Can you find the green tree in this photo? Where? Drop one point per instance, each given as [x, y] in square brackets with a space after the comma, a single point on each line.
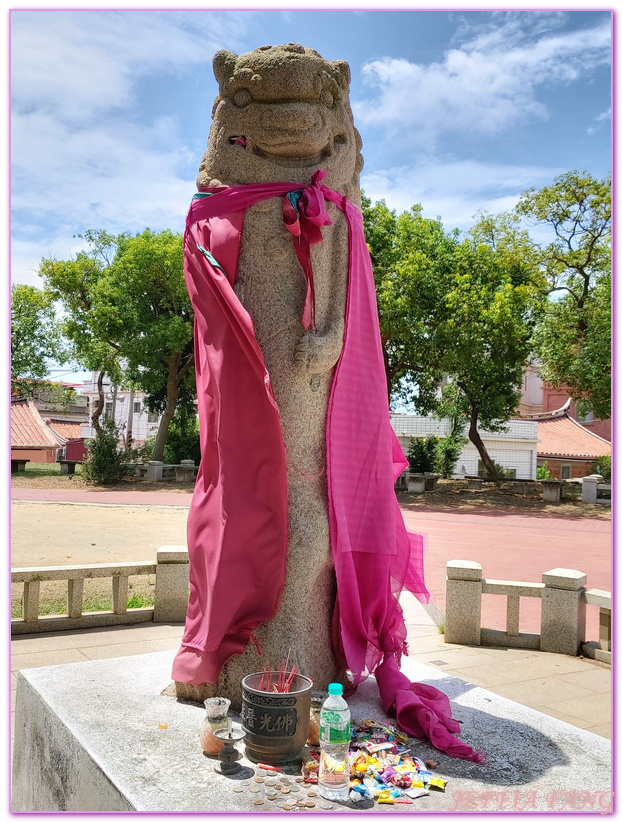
[573, 337]
[412, 260]
[459, 310]
[74, 284]
[35, 338]
[130, 312]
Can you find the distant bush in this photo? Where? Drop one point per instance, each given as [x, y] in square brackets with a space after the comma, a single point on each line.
[543, 473]
[105, 462]
[422, 454]
[602, 466]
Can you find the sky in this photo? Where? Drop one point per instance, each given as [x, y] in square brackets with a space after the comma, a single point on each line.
[459, 110]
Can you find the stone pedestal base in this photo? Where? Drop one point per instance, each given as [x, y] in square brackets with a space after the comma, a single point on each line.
[101, 736]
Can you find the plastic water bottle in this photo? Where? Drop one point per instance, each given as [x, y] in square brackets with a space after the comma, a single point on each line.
[333, 772]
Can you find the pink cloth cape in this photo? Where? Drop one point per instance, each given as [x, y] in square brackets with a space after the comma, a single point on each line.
[237, 525]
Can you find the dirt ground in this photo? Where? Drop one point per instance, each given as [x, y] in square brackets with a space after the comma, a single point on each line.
[51, 534]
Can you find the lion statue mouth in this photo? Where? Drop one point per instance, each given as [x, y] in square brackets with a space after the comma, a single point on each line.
[288, 153]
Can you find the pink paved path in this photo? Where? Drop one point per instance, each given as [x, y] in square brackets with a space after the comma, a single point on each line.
[508, 546]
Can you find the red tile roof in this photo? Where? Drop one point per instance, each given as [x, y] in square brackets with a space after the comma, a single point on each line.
[28, 428]
[66, 429]
[564, 437]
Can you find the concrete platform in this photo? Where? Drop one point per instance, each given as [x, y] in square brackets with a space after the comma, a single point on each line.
[88, 738]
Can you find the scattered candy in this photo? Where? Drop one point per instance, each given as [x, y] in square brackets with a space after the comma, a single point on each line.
[437, 783]
[431, 764]
[162, 725]
[267, 767]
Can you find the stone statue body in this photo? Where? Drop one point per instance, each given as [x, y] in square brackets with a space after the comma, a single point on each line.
[281, 114]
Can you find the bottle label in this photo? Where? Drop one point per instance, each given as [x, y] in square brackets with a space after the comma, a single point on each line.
[334, 733]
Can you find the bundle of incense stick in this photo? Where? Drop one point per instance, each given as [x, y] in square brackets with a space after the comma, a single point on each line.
[285, 678]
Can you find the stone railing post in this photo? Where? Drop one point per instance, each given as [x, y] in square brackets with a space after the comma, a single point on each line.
[563, 611]
[589, 489]
[463, 597]
[154, 470]
[171, 584]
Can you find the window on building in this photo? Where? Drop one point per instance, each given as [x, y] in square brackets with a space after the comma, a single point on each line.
[137, 407]
[108, 410]
[565, 472]
[589, 417]
[152, 418]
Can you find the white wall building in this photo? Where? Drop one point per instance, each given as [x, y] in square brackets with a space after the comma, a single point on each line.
[119, 405]
[515, 447]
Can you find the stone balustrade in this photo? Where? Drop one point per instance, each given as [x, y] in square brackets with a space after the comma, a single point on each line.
[156, 470]
[171, 595]
[563, 611]
[594, 490]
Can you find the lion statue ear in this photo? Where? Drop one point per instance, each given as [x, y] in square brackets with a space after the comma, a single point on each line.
[343, 70]
[223, 64]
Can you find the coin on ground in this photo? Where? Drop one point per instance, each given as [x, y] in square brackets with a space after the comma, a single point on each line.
[287, 806]
[254, 789]
[260, 779]
[312, 794]
[326, 806]
[238, 788]
[259, 802]
[295, 788]
[285, 790]
[299, 779]
[310, 804]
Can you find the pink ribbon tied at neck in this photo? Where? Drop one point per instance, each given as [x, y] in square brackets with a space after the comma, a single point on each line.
[304, 212]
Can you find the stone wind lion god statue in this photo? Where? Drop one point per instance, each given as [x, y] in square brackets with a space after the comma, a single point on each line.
[282, 113]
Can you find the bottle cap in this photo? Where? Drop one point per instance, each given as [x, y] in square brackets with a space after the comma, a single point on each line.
[335, 688]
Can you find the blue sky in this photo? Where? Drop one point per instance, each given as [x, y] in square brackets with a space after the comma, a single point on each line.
[458, 110]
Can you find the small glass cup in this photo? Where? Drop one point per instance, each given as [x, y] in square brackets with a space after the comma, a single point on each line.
[215, 718]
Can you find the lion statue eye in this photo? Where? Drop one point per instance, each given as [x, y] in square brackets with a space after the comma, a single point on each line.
[242, 98]
[327, 98]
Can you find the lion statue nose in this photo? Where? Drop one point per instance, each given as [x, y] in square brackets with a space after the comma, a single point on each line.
[295, 118]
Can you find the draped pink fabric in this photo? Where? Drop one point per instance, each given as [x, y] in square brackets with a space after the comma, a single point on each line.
[237, 526]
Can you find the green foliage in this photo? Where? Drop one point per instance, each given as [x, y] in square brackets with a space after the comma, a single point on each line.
[140, 601]
[543, 473]
[459, 309]
[183, 438]
[573, 337]
[503, 472]
[105, 462]
[422, 454]
[603, 467]
[126, 303]
[449, 448]
[35, 337]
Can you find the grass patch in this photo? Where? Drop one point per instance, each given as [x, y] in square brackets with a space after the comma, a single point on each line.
[97, 596]
[41, 470]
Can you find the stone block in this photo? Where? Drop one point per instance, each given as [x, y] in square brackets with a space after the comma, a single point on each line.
[568, 579]
[463, 570]
[589, 489]
[154, 470]
[563, 619]
[463, 602]
[171, 600]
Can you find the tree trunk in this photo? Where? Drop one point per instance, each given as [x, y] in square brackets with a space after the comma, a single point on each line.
[482, 450]
[173, 382]
[99, 408]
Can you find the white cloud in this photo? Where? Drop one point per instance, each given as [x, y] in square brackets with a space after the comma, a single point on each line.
[485, 86]
[455, 191]
[81, 63]
[600, 118]
[117, 178]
